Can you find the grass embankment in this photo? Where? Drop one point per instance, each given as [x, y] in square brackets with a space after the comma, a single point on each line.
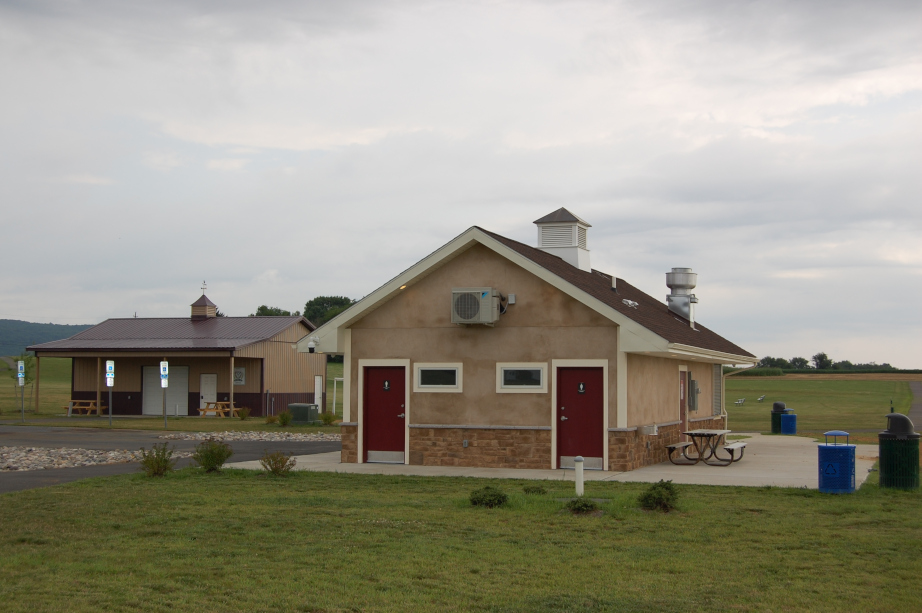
[55, 393]
[239, 541]
[821, 405]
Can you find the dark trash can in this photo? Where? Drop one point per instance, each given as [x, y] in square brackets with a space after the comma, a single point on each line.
[836, 464]
[778, 409]
[788, 423]
[899, 453]
[303, 413]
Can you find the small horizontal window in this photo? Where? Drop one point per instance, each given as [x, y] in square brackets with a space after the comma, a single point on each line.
[522, 378]
[437, 378]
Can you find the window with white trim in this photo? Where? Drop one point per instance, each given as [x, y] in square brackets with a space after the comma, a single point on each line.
[521, 378]
[437, 377]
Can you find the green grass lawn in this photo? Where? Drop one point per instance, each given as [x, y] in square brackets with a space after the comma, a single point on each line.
[820, 405]
[335, 370]
[239, 541]
[55, 389]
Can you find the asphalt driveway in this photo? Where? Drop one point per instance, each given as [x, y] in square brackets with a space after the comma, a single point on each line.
[94, 438]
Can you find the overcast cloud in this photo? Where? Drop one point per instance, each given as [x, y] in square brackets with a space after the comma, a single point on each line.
[282, 151]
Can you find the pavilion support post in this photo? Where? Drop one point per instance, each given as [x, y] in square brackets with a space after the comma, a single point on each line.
[231, 398]
[98, 389]
[38, 372]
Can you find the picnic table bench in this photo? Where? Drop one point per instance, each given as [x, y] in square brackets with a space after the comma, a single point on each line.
[81, 406]
[220, 409]
[740, 402]
[762, 397]
[705, 443]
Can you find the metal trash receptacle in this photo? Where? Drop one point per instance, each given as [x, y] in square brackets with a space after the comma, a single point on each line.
[899, 453]
[303, 413]
[778, 409]
[836, 464]
[788, 423]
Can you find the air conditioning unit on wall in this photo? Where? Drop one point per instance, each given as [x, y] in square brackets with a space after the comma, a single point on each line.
[474, 305]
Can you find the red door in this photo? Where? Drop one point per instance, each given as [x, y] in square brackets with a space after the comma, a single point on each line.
[580, 415]
[384, 413]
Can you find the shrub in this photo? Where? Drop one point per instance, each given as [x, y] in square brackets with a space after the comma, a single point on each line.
[582, 505]
[285, 418]
[278, 463]
[243, 413]
[327, 418]
[488, 497]
[661, 496]
[271, 419]
[211, 454]
[534, 489]
[158, 461]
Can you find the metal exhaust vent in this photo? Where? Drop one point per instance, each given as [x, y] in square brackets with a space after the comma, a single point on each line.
[474, 305]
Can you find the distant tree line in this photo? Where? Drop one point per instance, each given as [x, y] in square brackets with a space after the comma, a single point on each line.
[318, 310]
[820, 361]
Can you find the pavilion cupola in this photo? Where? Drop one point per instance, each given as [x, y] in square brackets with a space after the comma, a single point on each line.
[203, 308]
[564, 234]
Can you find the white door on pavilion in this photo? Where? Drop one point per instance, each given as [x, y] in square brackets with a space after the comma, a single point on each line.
[208, 389]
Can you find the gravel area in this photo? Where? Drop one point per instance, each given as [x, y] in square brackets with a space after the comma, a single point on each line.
[252, 436]
[40, 458]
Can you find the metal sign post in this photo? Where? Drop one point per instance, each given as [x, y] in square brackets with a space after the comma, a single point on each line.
[21, 375]
[164, 383]
[110, 383]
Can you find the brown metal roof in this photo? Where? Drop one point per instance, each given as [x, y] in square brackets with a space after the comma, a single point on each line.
[175, 334]
[561, 215]
[649, 312]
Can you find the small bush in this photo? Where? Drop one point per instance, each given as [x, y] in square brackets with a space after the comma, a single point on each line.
[327, 418]
[661, 496]
[243, 413]
[582, 505]
[488, 497]
[211, 454]
[285, 418]
[158, 461]
[278, 463]
[271, 419]
[534, 489]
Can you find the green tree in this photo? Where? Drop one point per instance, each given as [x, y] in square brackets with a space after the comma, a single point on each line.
[324, 308]
[821, 361]
[268, 311]
[770, 362]
[800, 363]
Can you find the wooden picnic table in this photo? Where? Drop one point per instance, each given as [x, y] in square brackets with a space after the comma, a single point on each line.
[220, 409]
[81, 406]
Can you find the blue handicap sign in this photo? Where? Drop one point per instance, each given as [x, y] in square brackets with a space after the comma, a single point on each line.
[164, 376]
[831, 468]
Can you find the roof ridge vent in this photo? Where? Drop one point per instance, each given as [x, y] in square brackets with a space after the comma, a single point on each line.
[680, 300]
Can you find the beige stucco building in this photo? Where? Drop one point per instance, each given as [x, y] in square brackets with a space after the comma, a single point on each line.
[490, 352]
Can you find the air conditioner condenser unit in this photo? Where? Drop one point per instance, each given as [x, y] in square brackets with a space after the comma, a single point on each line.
[474, 305]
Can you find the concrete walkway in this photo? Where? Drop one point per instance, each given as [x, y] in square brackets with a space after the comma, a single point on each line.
[783, 461]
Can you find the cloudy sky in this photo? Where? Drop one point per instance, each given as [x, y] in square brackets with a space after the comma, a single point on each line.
[281, 151]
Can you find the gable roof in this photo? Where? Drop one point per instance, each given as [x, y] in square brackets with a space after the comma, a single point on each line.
[174, 334]
[647, 328]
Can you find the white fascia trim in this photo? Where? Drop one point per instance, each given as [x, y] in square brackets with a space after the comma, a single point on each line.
[331, 333]
[717, 357]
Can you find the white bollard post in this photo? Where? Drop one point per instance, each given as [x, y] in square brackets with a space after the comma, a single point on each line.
[578, 465]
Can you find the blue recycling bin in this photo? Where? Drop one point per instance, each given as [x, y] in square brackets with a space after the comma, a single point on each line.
[788, 423]
[836, 464]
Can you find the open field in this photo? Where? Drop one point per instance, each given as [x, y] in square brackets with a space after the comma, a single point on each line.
[239, 541]
[55, 389]
[821, 405]
[335, 370]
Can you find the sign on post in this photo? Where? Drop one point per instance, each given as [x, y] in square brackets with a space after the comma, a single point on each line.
[164, 374]
[21, 372]
[110, 373]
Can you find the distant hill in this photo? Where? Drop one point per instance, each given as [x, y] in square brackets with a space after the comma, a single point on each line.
[16, 335]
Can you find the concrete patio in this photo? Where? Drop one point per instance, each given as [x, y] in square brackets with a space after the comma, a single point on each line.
[782, 461]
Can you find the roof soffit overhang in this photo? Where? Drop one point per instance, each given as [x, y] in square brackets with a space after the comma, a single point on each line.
[634, 336]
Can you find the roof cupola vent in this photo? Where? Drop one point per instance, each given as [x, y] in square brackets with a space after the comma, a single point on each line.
[681, 301]
[565, 235]
[203, 308]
